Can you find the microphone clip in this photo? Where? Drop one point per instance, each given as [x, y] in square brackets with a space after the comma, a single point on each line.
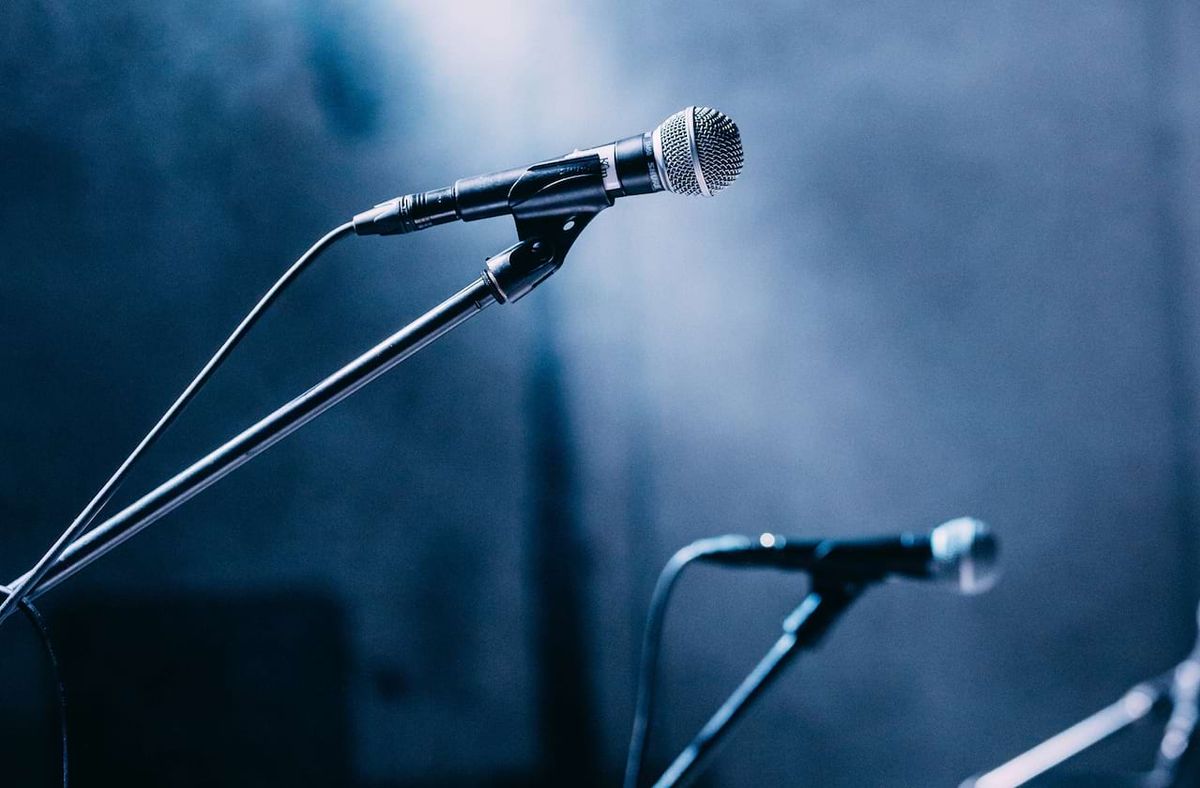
[551, 204]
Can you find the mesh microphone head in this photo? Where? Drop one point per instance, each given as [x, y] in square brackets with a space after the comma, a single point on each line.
[964, 553]
[698, 150]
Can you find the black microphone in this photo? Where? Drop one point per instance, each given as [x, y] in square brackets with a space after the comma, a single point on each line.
[696, 151]
[961, 551]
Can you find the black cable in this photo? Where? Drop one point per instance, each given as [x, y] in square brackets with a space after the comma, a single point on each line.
[39, 623]
[652, 640]
[30, 580]
[43, 631]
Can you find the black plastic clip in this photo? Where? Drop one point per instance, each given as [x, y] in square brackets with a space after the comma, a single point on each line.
[551, 205]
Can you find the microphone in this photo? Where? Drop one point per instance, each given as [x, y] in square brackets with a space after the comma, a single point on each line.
[696, 151]
[961, 552]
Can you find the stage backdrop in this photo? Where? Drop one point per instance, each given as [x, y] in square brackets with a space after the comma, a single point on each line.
[957, 276]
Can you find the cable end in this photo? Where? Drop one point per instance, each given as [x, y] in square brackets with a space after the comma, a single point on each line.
[384, 219]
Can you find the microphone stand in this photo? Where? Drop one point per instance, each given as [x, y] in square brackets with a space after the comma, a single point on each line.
[550, 211]
[1134, 705]
[1177, 689]
[802, 629]
[1177, 759]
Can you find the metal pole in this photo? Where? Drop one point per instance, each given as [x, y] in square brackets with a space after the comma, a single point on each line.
[802, 628]
[1134, 705]
[125, 524]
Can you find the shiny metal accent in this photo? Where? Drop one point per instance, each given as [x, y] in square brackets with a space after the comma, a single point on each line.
[654, 167]
[608, 158]
[656, 144]
[678, 154]
[965, 551]
[690, 119]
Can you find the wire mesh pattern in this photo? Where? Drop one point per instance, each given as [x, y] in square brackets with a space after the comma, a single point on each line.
[718, 144]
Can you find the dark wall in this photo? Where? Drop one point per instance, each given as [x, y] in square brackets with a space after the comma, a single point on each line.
[958, 276]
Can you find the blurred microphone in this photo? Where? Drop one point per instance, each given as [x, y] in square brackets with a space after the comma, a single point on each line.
[696, 151]
[961, 551]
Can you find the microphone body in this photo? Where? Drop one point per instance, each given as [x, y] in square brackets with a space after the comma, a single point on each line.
[961, 551]
[695, 151]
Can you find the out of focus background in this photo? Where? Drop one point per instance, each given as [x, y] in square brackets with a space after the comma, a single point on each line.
[959, 275]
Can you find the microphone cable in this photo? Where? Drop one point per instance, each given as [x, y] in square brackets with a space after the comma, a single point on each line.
[29, 582]
[652, 642]
[43, 631]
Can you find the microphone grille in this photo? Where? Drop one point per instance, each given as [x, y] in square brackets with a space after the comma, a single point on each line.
[698, 151]
[965, 552]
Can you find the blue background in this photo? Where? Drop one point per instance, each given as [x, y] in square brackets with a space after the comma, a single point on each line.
[957, 276]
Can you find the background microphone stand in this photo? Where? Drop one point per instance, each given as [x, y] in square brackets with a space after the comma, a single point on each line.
[551, 206]
[1134, 705]
[1176, 764]
[802, 629]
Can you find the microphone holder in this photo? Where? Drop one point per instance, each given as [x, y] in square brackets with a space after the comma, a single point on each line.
[550, 209]
[802, 629]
